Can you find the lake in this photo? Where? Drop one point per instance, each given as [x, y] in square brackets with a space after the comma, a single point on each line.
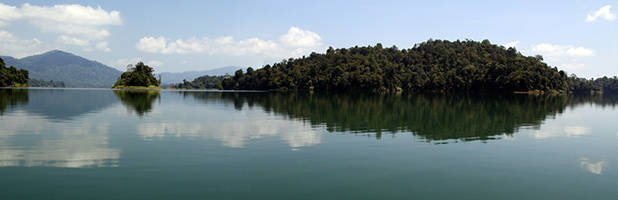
[111, 144]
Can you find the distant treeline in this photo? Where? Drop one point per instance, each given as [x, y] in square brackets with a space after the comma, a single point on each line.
[435, 65]
[605, 84]
[202, 82]
[44, 83]
[12, 77]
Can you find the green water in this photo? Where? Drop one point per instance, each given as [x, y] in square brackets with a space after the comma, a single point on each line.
[105, 144]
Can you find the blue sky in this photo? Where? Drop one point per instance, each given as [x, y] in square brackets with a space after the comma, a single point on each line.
[577, 36]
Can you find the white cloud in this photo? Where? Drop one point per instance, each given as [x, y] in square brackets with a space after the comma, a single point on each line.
[73, 41]
[84, 21]
[153, 45]
[579, 51]
[297, 37]
[103, 46]
[123, 62]
[154, 63]
[17, 47]
[295, 42]
[552, 50]
[511, 44]
[8, 13]
[76, 24]
[603, 13]
[575, 66]
[567, 57]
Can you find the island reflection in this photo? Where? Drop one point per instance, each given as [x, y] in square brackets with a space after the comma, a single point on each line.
[10, 98]
[139, 101]
[431, 117]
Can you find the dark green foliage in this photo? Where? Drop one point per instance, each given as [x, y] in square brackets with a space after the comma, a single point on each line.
[11, 76]
[203, 82]
[140, 75]
[138, 101]
[604, 84]
[171, 78]
[72, 70]
[435, 65]
[43, 83]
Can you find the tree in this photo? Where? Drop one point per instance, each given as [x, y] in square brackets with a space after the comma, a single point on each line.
[139, 75]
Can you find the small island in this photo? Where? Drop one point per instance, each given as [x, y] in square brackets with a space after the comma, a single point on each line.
[139, 76]
[12, 77]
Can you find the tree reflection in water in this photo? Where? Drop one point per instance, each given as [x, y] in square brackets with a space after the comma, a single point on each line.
[138, 100]
[432, 117]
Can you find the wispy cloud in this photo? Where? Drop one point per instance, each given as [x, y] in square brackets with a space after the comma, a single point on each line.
[76, 24]
[603, 13]
[14, 46]
[295, 42]
[547, 49]
[512, 44]
[123, 62]
[592, 167]
[567, 57]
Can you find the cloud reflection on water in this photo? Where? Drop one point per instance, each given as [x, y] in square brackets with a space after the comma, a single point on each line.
[235, 133]
[591, 166]
[49, 144]
[558, 131]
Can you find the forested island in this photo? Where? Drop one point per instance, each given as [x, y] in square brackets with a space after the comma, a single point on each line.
[12, 77]
[432, 66]
[139, 76]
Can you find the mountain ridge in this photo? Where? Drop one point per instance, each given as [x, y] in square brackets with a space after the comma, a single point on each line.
[76, 71]
[73, 70]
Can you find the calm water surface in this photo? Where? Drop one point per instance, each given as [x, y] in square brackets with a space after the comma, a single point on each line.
[105, 144]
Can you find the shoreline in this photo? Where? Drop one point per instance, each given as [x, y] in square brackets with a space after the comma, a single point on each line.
[137, 88]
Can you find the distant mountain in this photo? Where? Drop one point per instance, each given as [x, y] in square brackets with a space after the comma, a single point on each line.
[71, 69]
[169, 77]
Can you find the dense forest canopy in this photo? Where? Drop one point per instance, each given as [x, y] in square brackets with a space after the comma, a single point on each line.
[603, 84]
[138, 75]
[202, 82]
[11, 76]
[435, 65]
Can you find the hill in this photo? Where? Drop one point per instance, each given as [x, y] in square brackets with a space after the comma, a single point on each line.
[72, 70]
[435, 65]
[172, 78]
